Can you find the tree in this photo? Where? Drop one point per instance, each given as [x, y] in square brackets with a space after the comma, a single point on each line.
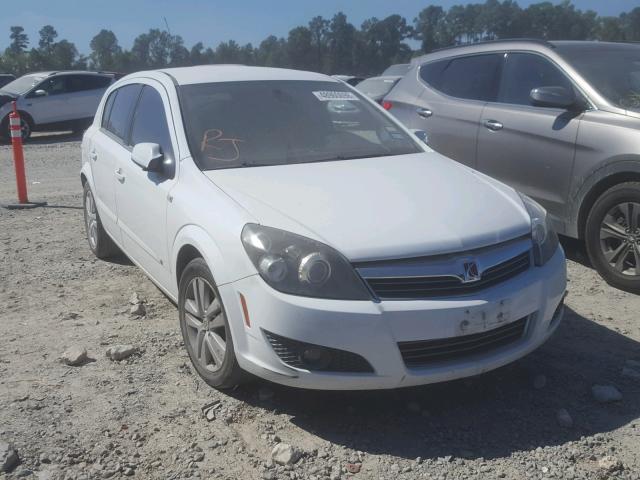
[341, 40]
[429, 28]
[299, 49]
[19, 40]
[272, 52]
[48, 37]
[319, 29]
[105, 51]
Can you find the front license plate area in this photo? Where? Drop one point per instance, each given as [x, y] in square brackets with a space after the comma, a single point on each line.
[477, 320]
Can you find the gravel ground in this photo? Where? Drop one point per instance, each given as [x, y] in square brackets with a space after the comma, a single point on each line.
[150, 416]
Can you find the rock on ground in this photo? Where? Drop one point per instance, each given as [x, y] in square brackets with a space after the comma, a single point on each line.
[285, 454]
[606, 393]
[9, 458]
[564, 418]
[120, 352]
[75, 356]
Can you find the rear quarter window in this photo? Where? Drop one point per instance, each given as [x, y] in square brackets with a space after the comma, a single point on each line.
[475, 77]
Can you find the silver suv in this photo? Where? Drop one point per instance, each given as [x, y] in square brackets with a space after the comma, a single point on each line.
[53, 100]
[558, 121]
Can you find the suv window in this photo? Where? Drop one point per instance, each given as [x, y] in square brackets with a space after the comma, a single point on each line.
[150, 122]
[473, 78]
[79, 83]
[525, 71]
[120, 114]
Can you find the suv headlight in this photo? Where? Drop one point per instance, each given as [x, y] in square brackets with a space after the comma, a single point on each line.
[545, 239]
[298, 265]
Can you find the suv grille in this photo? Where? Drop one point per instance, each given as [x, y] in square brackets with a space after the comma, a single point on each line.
[447, 285]
[424, 352]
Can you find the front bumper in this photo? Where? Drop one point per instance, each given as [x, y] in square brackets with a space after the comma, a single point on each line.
[373, 330]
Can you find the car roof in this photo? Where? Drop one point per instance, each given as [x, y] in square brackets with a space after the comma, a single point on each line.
[74, 72]
[384, 77]
[239, 73]
[510, 44]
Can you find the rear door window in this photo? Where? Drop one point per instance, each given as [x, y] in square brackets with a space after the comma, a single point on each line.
[474, 77]
[120, 115]
[525, 71]
[79, 83]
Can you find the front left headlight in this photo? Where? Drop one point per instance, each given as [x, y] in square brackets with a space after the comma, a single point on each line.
[298, 265]
[545, 238]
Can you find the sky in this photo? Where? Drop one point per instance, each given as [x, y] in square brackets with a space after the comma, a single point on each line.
[214, 21]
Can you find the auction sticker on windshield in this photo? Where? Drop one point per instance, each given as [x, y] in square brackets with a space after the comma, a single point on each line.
[327, 96]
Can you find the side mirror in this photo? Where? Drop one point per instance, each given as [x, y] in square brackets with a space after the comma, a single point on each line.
[422, 135]
[148, 156]
[556, 97]
[40, 93]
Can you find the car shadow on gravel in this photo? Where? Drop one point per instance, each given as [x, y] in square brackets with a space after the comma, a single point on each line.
[48, 138]
[576, 250]
[489, 416]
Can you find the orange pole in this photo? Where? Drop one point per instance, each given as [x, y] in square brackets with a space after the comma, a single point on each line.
[18, 154]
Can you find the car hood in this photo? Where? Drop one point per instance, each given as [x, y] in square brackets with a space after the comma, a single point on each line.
[381, 208]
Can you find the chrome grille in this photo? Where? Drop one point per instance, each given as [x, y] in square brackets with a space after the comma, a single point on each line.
[429, 286]
[425, 352]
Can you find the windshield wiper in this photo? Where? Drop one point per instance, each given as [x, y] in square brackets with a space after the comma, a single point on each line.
[352, 157]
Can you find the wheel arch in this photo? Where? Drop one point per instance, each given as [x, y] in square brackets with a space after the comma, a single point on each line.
[599, 181]
[192, 242]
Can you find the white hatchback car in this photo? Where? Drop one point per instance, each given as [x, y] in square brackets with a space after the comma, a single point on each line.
[310, 239]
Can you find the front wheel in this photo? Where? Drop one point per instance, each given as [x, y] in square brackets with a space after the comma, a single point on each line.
[613, 236]
[205, 327]
[25, 129]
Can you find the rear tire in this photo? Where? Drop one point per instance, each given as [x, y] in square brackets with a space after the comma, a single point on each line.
[205, 328]
[612, 236]
[99, 240]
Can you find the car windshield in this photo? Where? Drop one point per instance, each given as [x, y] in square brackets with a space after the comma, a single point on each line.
[264, 123]
[22, 84]
[613, 70]
[377, 87]
[397, 69]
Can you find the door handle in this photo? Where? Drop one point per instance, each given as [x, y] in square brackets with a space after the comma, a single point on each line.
[493, 125]
[93, 155]
[119, 175]
[424, 112]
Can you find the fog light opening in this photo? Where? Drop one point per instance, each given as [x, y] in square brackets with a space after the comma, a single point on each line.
[315, 358]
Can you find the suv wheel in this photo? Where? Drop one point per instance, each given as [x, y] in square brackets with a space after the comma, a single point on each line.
[25, 128]
[613, 236]
[100, 242]
[205, 327]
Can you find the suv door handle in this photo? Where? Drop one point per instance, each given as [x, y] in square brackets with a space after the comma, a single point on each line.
[93, 155]
[493, 125]
[119, 175]
[424, 112]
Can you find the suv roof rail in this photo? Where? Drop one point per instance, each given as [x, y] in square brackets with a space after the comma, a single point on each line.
[539, 41]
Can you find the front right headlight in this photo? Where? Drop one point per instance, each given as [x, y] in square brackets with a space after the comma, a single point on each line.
[298, 265]
[545, 238]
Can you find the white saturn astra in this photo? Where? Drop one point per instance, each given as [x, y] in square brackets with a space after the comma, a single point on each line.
[310, 239]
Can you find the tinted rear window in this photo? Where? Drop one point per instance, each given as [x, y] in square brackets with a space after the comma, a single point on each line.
[474, 77]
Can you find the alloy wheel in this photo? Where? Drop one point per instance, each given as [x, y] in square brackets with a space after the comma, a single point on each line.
[620, 238]
[25, 129]
[205, 324]
[91, 218]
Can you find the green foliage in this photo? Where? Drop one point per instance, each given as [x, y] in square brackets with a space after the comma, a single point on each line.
[329, 45]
